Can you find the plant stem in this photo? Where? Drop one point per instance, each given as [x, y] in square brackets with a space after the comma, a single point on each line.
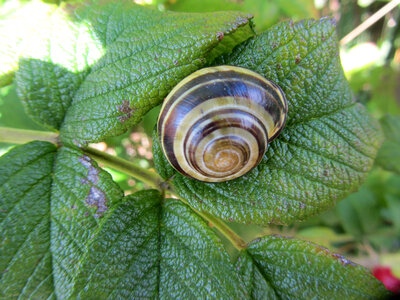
[21, 136]
[235, 239]
[148, 177]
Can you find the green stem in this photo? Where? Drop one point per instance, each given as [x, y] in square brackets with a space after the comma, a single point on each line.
[232, 236]
[155, 181]
[114, 162]
[21, 136]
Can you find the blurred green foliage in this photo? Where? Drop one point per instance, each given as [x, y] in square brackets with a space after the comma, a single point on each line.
[266, 13]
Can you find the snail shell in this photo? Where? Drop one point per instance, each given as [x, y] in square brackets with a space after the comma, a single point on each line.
[215, 125]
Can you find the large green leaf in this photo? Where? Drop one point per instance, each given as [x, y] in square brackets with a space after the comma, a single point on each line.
[25, 192]
[95, 70]
[42, 195]
[326, 149]
[67, 232]
[301, 270]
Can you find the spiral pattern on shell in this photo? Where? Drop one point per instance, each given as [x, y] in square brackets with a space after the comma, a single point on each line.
[215, 125]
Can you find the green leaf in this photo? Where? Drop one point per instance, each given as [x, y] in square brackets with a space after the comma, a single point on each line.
[150, 251]
[91, 69]
[42, 194]
[359, 213]
[25, 191]
[148, 49]
[83, 197]
[389, 154]
[82, 239]
[66, 228]
[324, 152]
[125, 252]
[51, 54]
[301, 270]
[257, 286]
[46, 90]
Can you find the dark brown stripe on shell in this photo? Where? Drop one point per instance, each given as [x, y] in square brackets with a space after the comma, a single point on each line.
[227, 76]
[199, 96]
[237, 121]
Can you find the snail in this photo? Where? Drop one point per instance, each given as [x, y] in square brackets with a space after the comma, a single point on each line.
[215, 125]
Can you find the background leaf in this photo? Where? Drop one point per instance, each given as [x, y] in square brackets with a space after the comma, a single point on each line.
[324, 152]
[389, 154]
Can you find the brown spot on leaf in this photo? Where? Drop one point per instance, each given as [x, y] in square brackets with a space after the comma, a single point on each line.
[93, 172]
[97, 198]
[344, 261]
[126, 110]
[93, 175]
[85, 161]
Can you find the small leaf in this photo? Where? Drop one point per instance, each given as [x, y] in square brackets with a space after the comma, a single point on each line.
[324, 152]
[389, 154]
[46, 90]
[301, 270]
[25, 191]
